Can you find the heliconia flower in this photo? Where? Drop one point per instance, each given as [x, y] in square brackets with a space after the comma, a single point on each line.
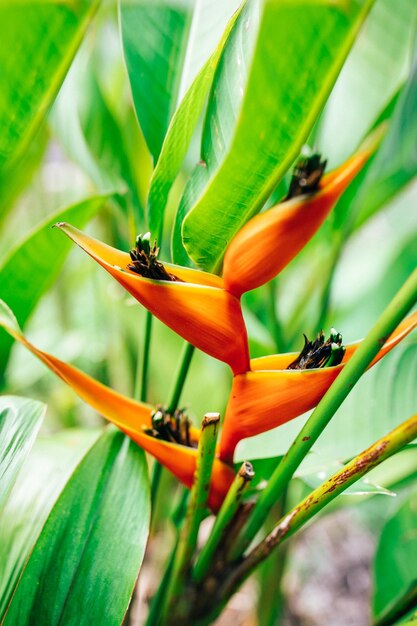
[130, 416]
[195, 305]
[270, 394]
[270, 240]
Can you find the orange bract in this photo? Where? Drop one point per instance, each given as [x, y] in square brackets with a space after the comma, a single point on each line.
[269, 395]
[202, 312]
[269, 241]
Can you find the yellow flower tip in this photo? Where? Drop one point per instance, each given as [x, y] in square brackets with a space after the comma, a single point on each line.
[269, 241]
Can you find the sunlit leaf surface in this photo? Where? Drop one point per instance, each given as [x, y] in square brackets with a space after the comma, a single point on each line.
[97, 533]
[20, 420]
[38, 43]
[255, 126]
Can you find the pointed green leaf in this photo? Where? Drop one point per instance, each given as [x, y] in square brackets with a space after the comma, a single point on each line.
[394, 566]
[20, 420]
[84, 565]
[32, 266]
[50, 463]
[270, 113]
[38, 43]
[178, 137]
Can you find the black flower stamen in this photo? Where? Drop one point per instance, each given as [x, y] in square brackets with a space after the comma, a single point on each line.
[145, 260]
[306, 176]
[174, 428]
[320, 353]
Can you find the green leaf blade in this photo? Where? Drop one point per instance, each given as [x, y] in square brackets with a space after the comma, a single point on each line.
[44, 37]
[279, 107]
[83, 567]
[30, 269]
[20, 420]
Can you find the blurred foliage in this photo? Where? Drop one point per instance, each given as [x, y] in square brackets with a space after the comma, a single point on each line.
[71, 148]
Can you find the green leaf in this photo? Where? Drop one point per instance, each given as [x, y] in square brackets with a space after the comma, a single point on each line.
[84, 565]
[154, 36]
[252, 135]
[50, 463]
[20, 420]
[44, 37]
[178, 139]
[375, 69]
[394, 567]
[32, 266]
[165, 45]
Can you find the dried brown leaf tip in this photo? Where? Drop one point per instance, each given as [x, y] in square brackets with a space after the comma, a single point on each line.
[174, 428]
[306, 176]
[145, 260]
[320, 352]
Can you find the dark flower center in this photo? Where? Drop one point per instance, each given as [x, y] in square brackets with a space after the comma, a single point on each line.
[320, 353]
[306, 176]
[174, 428]
[145, 260]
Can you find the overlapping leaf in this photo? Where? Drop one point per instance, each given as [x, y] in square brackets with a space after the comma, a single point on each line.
[20, 420]
[39, 40]
[92, 544]
[30, 269]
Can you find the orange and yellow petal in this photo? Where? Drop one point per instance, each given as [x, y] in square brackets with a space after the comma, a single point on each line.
[203, 314]
[132, 417]
[269, 396]
[181, 462]
[268, 242]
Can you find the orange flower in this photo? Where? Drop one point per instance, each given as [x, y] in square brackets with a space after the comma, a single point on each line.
[270, 395]
[132, 417]
[197, 307]
[269, 241]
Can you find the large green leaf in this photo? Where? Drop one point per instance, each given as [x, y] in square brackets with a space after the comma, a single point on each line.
[165, 45]
[30, 269]
[83, 567]
[50, 463]
[299, 49]
[178, 138]
[395, 560]
[20, 420]
[375, 69]
[38, 42]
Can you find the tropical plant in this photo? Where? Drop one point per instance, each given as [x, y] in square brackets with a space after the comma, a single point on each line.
[246, 171]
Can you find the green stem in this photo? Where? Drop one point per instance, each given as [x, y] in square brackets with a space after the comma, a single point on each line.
[195, 513]
[174, 397]
[331, 401]
[227, 511]
[319, 498]
[141, 386]
[274, 322]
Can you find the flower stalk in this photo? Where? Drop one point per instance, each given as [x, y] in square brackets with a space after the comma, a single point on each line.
[401, 304]
[378, 452]
[195, 512]
[223, 520]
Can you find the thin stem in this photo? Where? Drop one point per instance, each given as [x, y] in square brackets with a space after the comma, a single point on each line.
[196, 510]
[175, 395]
[331, 401]
[274, 322]
[319, 498]
[227, 511]
[141, 386]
